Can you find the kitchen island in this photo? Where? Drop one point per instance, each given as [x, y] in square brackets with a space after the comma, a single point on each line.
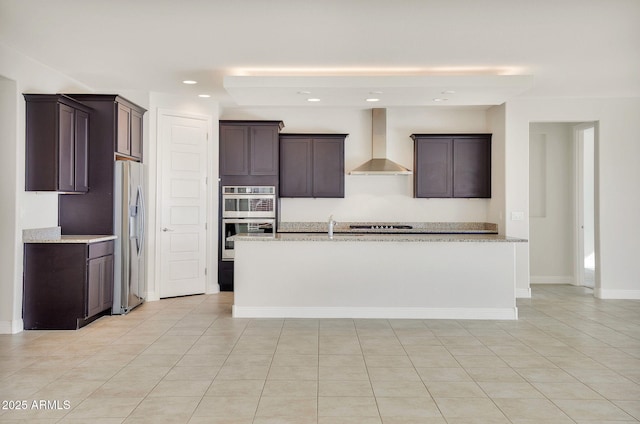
[412, 276]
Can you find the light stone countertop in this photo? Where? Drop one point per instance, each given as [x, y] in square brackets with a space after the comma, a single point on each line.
[417, 227]
[344, 237]
[53, 235]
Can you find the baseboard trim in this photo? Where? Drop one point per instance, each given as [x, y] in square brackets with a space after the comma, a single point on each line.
[152, 296]
[11, 327]
[383, 313]
[551, 279]
[617, 294]
[523, 293]
[213, 289]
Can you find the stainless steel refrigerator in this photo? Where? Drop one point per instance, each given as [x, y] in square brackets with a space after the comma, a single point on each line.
[129, 218]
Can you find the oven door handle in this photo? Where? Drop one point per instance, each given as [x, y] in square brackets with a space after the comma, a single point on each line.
[249, 196]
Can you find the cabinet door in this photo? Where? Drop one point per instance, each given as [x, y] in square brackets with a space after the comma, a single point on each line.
[328, 168]
[433, 167]
[94, 286]
[296, 178]
[107, 283]
[136, 134]
[234, 150]
[66, 149]
[472, 167]
[99, 285]
[123, 140]
[264, 150]
[81, 151]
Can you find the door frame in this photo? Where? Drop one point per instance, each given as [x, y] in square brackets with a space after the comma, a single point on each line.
[578, 131]
[211, 277]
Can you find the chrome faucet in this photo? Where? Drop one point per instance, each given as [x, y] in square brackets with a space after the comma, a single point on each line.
[332, 224]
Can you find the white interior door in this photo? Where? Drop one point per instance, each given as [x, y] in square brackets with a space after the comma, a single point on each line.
[183, 200]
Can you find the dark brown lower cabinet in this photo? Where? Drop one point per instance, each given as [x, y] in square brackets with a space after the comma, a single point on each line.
[66, 285]
[225, 275]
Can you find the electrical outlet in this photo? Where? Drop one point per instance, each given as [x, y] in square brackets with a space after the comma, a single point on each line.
[517, 216]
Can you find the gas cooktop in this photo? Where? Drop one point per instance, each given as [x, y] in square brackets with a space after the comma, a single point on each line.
[380, 227]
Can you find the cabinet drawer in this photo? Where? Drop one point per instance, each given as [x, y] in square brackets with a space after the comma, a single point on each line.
[104, 248]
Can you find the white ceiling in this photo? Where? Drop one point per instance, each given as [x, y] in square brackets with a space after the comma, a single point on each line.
[410, 48]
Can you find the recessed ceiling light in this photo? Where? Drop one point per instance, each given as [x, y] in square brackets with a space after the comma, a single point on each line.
[375, 92]
[313, 99]
[204, 96]
[448, 92]
[304, 92]
[189, 82]
[438, 99]
[372, 100]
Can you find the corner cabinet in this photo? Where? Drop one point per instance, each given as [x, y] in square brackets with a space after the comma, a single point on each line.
[452, 165]
[312, 165]
[249, 152]
[66, 285]
[57, 144]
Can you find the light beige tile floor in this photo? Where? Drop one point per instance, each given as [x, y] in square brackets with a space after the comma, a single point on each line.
[570, 358]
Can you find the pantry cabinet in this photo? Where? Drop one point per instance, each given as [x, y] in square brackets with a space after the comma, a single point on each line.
[452, 165]
[57, 144]
[312, 165]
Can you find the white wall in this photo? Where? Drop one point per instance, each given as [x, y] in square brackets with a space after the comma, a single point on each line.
[20, 210]
[496, 124]
[617, 177]
[551, 208]
[376, 197]
[8, 193]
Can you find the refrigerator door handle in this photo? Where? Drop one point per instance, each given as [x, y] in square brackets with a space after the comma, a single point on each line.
[140, 217]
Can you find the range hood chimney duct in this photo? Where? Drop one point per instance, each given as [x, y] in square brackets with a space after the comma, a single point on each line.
[379, 164]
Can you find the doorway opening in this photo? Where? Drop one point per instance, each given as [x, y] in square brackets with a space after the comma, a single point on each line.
[563, 205]
[585, 141]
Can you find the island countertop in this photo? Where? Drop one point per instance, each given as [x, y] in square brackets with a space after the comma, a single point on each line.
[358, 237]
[367, 227]
[355, 275]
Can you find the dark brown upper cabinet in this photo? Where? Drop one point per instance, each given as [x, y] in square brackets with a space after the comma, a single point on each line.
[127, 118]
[57, 144]
[93, 212]
[312, 165]
[452, 165]
[249, 152]
[129, 136]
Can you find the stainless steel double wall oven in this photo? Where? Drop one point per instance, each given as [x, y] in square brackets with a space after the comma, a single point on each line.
[246, 209]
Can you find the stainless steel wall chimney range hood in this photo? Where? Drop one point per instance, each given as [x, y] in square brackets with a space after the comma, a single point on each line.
[379, 164]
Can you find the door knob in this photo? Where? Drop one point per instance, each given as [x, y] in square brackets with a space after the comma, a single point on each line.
[165, 229]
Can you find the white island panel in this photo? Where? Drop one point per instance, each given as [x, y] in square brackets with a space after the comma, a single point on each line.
[360, 279]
